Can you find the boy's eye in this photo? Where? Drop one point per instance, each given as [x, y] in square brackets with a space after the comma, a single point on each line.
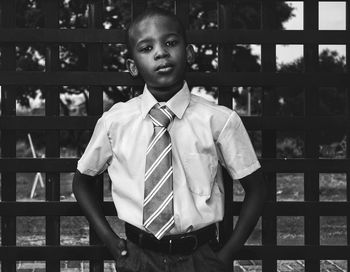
[146, 48]
[171, 43]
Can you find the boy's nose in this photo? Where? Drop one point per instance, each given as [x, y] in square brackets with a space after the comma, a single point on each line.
[161, 52]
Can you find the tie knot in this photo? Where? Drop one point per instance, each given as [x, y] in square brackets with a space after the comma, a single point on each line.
[161, 116]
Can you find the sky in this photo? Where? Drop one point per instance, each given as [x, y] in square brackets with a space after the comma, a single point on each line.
[332, 16]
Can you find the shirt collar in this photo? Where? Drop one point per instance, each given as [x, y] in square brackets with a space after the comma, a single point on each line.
[177, 104]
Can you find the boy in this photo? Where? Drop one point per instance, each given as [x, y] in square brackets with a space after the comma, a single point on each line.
[164, 151]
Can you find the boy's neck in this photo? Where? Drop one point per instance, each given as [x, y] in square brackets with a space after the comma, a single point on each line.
[163, 94]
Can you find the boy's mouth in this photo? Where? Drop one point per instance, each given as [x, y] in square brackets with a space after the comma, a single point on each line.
[164, 68]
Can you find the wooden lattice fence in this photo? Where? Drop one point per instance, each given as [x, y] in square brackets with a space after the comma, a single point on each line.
[269, 124]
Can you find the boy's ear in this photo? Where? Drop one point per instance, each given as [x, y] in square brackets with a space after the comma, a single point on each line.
[130, 64]
[190, 54]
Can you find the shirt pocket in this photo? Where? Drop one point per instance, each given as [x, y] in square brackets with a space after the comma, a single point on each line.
[200, 171]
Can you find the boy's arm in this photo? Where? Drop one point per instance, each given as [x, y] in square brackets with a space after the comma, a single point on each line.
[255, 193]
[83, 189]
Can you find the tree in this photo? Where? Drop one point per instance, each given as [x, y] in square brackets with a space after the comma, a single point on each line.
[73, 57]
[74, 14]
[332, 101]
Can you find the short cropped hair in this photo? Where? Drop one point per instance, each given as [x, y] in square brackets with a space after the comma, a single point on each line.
[152, 12]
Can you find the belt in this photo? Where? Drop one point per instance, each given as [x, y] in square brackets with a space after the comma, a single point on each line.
[184, 244]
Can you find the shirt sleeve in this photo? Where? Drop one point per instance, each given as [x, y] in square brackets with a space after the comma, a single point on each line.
[236, 150]
[98, 152]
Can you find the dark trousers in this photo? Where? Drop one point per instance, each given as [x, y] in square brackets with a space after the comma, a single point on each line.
[204, 259]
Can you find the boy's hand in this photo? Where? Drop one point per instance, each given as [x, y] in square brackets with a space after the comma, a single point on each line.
[128, 257]
[122, 252]
[118, 249]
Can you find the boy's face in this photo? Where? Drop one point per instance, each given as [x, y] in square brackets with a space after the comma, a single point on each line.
[159, 52]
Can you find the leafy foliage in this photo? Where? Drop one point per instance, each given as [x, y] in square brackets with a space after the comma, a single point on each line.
[203, 15]
[116, 15]
[331, 100]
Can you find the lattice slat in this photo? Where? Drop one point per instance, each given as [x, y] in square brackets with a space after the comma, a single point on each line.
[95, 80]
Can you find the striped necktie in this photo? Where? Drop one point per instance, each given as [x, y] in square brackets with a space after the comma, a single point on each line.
[158, 211]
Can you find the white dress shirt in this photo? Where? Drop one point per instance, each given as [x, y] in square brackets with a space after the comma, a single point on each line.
[204, 136]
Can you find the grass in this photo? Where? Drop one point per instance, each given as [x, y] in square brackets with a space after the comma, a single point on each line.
[290, 229]
[74, 230]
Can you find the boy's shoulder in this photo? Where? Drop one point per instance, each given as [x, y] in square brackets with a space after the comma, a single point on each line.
[198, 102]
[122, 110]
[217, 116]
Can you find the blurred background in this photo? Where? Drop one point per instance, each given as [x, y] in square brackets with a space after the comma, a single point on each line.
[247, 101]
